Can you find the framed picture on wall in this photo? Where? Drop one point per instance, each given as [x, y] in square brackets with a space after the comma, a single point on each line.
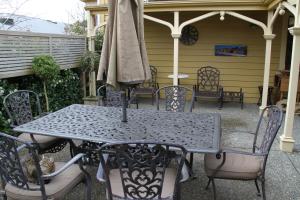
[230, 50]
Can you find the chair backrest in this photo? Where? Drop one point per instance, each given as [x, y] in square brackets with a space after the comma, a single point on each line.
[142, 167]
[208, 78]
[11, 169]
[153, 79]
[110, 96]
[273, 116]
[21, 106]
[175, 98]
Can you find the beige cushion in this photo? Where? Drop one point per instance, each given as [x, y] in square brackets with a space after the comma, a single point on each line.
[167, 190]
[58, 187]
[236, 166]
[43, 141]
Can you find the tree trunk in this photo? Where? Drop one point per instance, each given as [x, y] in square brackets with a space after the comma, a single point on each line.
[46, 96]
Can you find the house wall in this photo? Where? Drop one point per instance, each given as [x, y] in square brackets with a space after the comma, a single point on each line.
[236, 72]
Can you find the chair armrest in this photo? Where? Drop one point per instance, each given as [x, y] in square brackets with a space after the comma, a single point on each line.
[242, 152]
[23, 146]
[66, 166]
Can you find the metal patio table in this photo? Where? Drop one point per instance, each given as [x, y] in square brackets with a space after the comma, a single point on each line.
[197, 132]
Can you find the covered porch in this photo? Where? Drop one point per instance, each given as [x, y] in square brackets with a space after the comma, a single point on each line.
[262, 25]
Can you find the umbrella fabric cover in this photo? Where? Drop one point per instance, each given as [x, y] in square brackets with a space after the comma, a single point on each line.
[124, 57]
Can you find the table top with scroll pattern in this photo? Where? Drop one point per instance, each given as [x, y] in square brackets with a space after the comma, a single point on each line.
[197, 132]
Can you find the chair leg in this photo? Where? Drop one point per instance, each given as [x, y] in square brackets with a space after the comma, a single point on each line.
[221, 103]
[208, 183]
[257, 188]
[263, 187]
[88, 186]
[195, 100]
[178, 193]
[214, 188]
[153, 98]
[191, 160]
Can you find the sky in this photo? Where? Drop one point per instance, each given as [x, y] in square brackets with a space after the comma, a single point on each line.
[66, 11]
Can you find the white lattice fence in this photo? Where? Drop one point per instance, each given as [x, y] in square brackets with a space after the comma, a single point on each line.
[17, 50]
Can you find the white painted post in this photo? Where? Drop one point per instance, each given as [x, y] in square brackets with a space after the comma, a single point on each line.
[267, 67]
[176, 36]
[283, 42]
[91, 47]
[286, 140]
[268, 37]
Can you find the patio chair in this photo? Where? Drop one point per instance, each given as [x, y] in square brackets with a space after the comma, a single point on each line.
[108, 96]
[24, 106]
[51, 186]
[144, 171]
[175, 98]
[240, 165]
[208, 84]
[146, 88]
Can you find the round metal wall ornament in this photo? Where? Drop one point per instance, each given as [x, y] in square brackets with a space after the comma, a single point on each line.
[189, 35]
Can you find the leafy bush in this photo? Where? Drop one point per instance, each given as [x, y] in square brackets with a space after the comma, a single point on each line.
[89, 61]
[5, 89]
[63, 91]
[99, 40]
[45, 67]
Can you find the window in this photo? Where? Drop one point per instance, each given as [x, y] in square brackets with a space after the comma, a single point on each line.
[6, 21]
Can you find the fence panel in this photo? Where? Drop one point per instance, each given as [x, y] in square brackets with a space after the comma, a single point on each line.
[17, 49]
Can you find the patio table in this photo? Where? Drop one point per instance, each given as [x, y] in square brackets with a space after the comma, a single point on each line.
[197, 132]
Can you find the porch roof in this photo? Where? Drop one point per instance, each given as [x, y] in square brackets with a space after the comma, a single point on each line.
[193, 5]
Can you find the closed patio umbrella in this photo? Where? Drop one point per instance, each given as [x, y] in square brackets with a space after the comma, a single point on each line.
[124, 58]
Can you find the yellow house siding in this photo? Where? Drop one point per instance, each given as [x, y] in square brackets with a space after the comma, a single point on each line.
[236, 72]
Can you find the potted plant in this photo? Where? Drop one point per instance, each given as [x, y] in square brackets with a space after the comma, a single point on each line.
[45, 67]
[89, 62]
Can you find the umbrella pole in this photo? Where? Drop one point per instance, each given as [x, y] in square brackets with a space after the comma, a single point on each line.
[124, 107]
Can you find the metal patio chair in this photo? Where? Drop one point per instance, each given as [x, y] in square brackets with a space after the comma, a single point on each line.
[144, 171]
[175, 98]
[175, 101]
[24, 106]
[108, 96]
[208, 84]
[147, 88]
[52, 186]
[240, 165]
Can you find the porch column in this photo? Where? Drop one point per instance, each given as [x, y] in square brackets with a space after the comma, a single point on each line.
[91, 47]
[90, 30]
[286, 140]
[268, 38]
[176, 35]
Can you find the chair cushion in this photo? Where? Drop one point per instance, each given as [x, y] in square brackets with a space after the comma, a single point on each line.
[236, 166]
[167, 190]
[43, 141]
[58, 187]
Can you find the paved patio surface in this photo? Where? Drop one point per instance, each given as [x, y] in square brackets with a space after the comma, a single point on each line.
[283, 169]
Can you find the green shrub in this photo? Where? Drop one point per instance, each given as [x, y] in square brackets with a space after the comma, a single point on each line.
[99, 40]
[63, 91]
[45, 67]
[5, 89]
[89, 61]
